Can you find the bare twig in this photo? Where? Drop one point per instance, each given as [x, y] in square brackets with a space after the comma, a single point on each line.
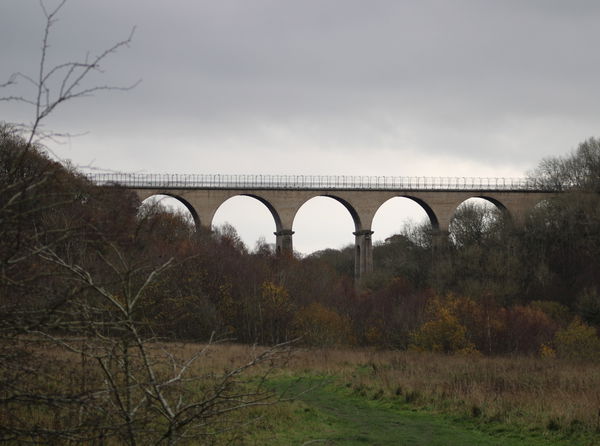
[62, 82]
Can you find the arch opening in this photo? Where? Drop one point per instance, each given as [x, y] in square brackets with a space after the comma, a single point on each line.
[401, 215]
[475, 219]
[539, 214]
[542, 205]
[251, 218]
[350, 209]
[496, 203]
[324, 222]
[172, 204]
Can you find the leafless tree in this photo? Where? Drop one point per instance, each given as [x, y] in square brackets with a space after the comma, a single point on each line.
[149, 394]
[57, 84]
[78, 362]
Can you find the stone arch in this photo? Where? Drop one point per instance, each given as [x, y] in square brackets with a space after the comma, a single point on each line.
[536, 207]
[182, 200]
[355, 217]
[363, 256]
[430, 214]
[351, 209]
[484, 221]
[267, 203]
[433, 219]
[541, 202]
[270, 207]
[499, 205]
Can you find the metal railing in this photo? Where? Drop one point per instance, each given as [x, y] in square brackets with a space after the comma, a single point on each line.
[316, 182]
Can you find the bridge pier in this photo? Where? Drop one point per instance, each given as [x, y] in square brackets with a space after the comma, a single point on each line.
[439, 240]
[363, 253]
[283, 242]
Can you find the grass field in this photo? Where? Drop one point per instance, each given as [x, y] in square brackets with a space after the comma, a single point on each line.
[350, 397]
[371, 397]
[326, 413]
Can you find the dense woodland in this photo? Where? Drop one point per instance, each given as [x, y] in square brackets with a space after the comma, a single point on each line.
[81, 262]
[492, 286]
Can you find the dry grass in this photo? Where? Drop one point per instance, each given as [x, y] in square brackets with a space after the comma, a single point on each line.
[544, 393]
[539, 393]
[56, 395]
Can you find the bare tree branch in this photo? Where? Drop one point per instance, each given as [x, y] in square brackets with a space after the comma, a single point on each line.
[62, 82]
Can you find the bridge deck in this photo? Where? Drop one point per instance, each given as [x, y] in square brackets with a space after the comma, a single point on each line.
[317, 182]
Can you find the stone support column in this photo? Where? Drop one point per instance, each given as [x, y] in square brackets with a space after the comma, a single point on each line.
[439, 240]
[283, 242]
[363, 253]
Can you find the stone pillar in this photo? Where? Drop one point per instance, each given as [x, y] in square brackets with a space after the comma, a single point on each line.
[283, 242]
[441, 231]
[518, 217]
[363, 253]
[439, 240]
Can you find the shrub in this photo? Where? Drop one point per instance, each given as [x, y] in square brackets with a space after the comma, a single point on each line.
[588, 305]
[527, 328]
[444, 334]
[321, 326]
[577, 341]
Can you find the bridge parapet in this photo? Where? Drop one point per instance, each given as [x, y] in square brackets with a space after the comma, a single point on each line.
[317, 182]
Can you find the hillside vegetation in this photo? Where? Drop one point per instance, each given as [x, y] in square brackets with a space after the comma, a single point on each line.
[90, 273]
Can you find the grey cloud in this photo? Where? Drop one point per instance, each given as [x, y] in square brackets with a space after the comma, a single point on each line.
[340, 75]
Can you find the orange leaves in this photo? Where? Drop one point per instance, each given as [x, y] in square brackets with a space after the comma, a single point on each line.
[458, 324]
[443, 332]
[577, 341]
[322, 326]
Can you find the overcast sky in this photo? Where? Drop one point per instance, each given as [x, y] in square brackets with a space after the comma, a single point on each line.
[390, 87]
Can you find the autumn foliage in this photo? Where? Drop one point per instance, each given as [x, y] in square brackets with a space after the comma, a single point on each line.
[492, 288]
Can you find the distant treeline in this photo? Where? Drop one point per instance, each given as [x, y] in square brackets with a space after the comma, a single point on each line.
[491, 287]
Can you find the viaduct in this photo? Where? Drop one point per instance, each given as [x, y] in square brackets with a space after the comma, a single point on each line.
[362, 196]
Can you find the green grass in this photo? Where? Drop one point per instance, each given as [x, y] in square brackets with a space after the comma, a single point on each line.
[327, 413]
